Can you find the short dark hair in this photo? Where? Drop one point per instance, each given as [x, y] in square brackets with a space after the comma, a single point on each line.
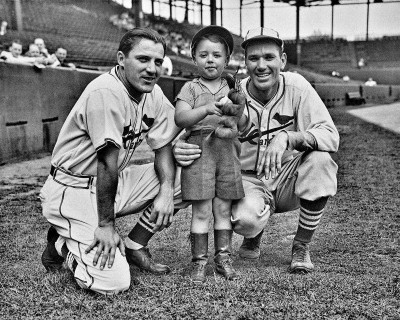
[17, 41]
[213, 38]
[133, 36]
[280, 48]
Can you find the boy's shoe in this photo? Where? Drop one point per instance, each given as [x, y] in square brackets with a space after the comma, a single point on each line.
[301, 261]
[226, 269]
[198, 272]
[142, 259]
[250, 248]
[51, 260]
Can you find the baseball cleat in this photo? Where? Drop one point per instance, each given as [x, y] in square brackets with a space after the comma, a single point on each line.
[301, 261]
[250, 248]
[51, 260]
[142, 259]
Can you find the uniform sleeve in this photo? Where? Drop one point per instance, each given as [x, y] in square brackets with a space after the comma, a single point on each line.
[105, 114]
[186, 94]
[164, 129]
[314, 122]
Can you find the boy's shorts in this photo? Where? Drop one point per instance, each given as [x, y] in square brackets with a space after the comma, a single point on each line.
[216, 173]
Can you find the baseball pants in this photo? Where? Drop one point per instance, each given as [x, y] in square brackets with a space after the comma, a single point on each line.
[309, 175]
[69, 204]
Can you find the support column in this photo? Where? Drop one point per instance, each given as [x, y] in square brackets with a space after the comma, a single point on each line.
[213, 11]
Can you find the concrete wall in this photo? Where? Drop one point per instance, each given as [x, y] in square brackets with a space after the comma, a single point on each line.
[35, 103]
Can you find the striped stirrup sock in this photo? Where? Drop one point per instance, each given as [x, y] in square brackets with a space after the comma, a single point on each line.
[142, 231]
[310, 216]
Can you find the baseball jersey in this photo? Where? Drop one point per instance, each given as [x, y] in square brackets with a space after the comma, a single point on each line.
[297, 109]
[107, 113]
[196, 95]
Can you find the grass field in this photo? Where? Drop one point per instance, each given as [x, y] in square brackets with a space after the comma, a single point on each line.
[355, 251]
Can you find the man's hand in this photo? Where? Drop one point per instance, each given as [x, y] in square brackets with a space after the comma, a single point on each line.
[271, 160]
[162, 212]
[107, 240]
[185, 153]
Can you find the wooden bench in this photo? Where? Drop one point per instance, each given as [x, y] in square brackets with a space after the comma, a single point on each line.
[354, 98]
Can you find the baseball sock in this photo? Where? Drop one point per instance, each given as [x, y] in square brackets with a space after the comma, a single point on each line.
[310, 215]
[141, 232]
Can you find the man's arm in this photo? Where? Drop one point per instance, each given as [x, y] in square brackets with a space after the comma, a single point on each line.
[315, 131]
[163, 206]
[106, 239]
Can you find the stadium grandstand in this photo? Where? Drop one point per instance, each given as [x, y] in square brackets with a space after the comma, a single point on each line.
[34, 103]
[90, 33]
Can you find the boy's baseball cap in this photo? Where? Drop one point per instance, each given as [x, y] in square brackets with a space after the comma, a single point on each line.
[220, 31]
[260, 34]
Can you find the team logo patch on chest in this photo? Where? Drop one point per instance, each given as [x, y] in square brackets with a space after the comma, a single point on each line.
[278, 122]
[130, 138]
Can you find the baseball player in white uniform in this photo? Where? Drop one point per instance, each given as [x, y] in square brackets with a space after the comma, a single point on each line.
[285, 150]
[92, 181]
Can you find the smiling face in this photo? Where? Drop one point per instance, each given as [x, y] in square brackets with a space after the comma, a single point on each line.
[210, 58]
[16, 49]
[61, 54]
[141, 66]
[264, 62]
[34, 50]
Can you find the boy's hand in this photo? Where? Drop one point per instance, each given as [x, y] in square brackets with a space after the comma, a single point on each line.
[211, 108]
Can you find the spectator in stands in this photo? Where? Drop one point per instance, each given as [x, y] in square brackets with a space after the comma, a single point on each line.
[42, 47]
[361, 63]
[3, 28]
[285, 150]
[370, 82]
[15, 55]
[167, 66]
[59, 59]
[33, 51]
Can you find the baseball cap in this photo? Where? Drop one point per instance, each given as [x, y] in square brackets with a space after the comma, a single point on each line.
[260, 34]
[220, 31]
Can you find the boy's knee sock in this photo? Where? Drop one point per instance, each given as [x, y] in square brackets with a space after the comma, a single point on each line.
[310, 215]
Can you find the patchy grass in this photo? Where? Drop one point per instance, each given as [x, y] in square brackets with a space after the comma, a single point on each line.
[355, 250]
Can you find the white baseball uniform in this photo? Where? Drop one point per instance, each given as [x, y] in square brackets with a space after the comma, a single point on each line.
[104, 113]
[297, 109]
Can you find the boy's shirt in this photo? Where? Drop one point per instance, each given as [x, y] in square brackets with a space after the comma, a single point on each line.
[196, 95]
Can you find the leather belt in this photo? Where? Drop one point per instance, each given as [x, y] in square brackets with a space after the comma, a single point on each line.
[71, 180]
[252, 172]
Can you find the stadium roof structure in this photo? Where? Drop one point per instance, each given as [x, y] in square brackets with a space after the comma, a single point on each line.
[313, 3]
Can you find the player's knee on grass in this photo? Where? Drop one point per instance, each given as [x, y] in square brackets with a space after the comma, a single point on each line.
[107, 281]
